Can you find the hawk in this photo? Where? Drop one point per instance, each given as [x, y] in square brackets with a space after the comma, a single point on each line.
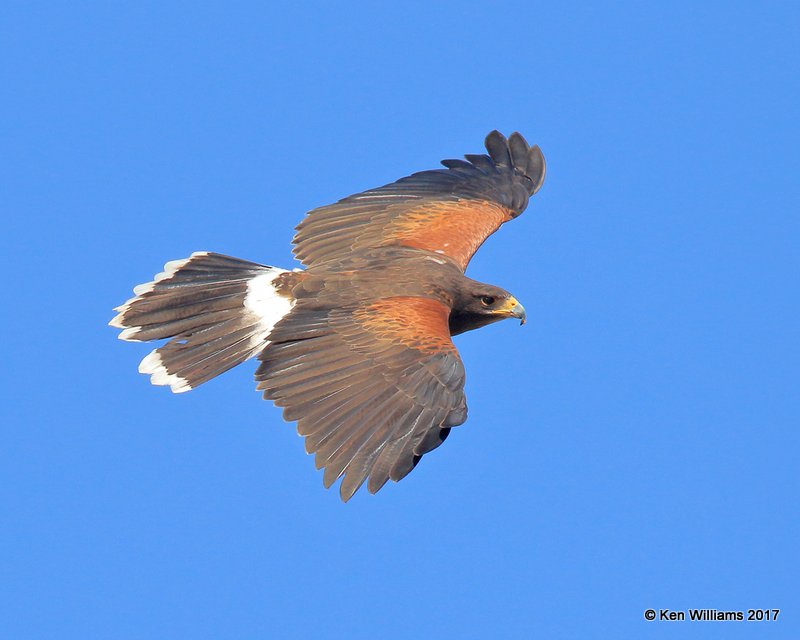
[356, 348]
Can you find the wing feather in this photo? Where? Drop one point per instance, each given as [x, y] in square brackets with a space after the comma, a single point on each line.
[368, 387]
[448, 211]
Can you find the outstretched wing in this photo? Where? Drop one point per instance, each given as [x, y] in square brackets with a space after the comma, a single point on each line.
[372, 387]
[448, 211]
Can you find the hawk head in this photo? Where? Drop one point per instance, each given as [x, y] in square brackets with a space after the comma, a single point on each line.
[478, 304]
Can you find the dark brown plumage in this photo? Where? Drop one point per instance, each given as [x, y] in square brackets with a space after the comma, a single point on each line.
[356, 348]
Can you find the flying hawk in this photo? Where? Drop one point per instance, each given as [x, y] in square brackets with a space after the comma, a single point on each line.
[356, 347]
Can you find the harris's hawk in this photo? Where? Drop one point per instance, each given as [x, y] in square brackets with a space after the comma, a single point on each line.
[356, 347]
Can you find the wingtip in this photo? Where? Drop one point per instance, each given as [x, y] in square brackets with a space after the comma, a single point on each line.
[515, 152]
[494, 134]
[537, 167]
[518, 137]
[497, 147]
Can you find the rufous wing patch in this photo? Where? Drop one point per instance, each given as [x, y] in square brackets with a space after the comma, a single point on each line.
[419, 323]
[453, 228]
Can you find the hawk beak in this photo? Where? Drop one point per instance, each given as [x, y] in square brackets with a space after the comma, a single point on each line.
[513, 309]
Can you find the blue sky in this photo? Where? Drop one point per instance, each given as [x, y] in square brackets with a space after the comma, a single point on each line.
[634, 446]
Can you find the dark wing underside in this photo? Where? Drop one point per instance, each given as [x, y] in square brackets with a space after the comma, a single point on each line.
[448, 211]
[372, 387]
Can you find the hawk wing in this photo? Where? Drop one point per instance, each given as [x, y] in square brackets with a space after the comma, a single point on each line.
[448, 211]
[372, 387]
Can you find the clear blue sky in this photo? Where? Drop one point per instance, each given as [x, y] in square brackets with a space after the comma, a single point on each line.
[635, 445]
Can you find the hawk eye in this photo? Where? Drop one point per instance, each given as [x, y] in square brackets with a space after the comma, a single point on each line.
[487, 301]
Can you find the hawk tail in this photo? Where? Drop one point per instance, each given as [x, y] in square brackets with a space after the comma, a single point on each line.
[217, 310]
